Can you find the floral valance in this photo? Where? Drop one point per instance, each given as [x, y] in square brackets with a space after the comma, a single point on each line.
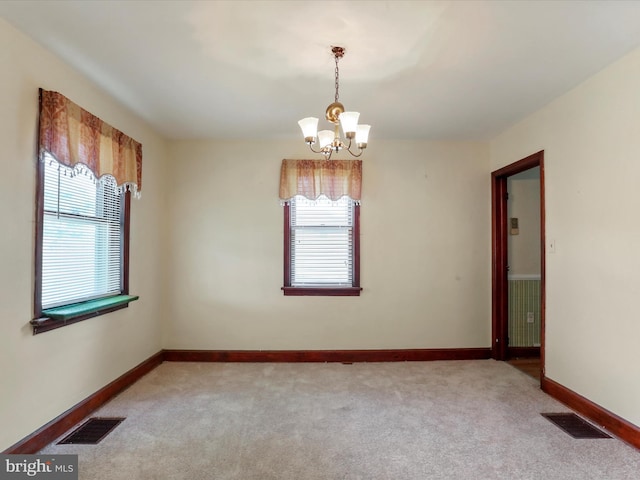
[74, 136]
[312, 178]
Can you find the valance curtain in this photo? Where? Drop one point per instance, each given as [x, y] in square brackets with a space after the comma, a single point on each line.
[74, 137]
[312, 178]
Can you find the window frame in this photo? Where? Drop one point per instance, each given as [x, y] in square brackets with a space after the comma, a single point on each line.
[41, 323]
[328, 291]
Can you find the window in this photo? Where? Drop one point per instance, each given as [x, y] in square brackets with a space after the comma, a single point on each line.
[322, 246]
[86, 173]
[82, 252]
[83, 233]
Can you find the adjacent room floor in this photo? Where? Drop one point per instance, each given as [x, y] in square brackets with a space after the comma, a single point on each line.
[530, 366]
[414, 420]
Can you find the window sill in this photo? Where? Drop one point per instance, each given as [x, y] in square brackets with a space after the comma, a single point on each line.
[53, 318]
[322, 291]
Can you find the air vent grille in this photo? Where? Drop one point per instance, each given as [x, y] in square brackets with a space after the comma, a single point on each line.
[92, 431]
[574, 425]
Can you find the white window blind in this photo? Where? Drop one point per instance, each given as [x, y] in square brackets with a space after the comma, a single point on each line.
[321, 241]
[82, 237]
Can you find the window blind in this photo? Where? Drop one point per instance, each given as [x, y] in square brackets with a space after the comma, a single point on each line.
[321, 241]
[82, 236]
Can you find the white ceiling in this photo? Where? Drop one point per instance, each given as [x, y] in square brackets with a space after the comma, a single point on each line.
[455, 70]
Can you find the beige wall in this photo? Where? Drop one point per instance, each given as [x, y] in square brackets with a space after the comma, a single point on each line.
[591, 140]
[424, 240]
[524, 204]
[42, 376]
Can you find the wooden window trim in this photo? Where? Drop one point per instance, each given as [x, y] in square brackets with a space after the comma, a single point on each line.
[44, 324]
[329, 291]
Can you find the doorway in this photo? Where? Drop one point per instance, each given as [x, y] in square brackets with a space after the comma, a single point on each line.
[500, 230]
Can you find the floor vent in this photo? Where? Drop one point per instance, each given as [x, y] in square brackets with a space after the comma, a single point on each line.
[574, 425]
[92, 431]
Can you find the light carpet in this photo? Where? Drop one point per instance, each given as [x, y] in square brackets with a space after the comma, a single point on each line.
[405, 421]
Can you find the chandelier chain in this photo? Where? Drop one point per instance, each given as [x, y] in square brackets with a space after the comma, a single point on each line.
[337, 78]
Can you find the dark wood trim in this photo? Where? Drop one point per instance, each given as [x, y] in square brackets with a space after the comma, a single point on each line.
[543, 265]
[292, 356]
[350, 291]
[126, 232]
[322, 291]
[500, 290]
[45, 324]
[58, 426]
[526, 163]
[523, 352]
[287, 245]
[37, 289]
[499, 261]
[356, 247]
[616, 425]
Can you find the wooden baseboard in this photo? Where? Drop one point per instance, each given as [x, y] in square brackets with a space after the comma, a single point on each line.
[292, 356]
[58, 426]
[616, 425]
[523, 352]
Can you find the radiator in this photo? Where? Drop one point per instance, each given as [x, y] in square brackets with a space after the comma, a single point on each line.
[524, 300]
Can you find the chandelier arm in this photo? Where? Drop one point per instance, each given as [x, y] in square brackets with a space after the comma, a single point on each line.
[348, 149]
[314, 151]
[323, 151]
[354, 154]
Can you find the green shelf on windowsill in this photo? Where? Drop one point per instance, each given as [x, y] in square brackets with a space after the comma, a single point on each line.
[68, 312]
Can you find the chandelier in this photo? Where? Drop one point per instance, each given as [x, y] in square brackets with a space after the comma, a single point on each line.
[329, 141]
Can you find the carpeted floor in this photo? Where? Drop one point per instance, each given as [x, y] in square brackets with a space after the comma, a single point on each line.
[368, 421]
